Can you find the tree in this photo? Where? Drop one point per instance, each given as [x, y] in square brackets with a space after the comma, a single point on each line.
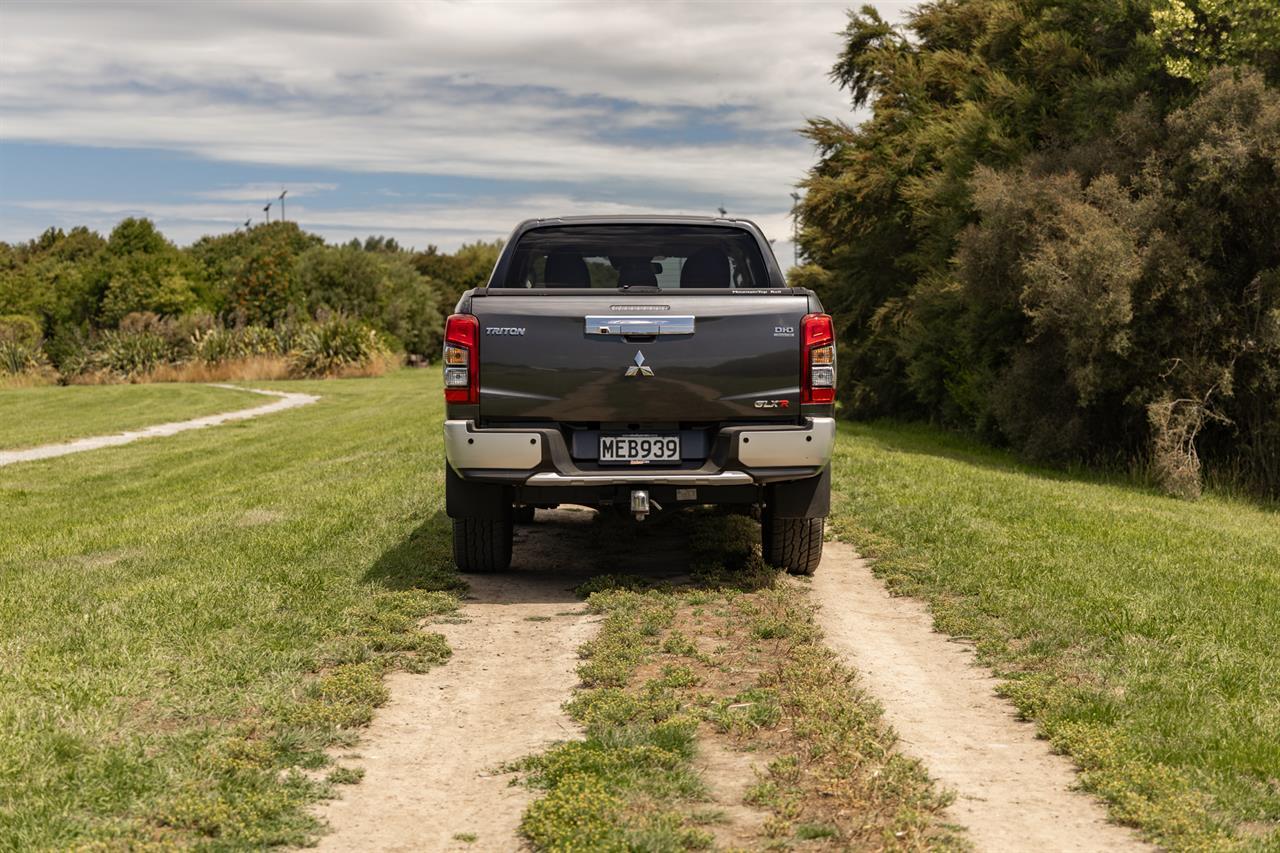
[143, 272]
[380, 285]
[466, 268]
[1200, 35]
[1042, 236]
[265, 281]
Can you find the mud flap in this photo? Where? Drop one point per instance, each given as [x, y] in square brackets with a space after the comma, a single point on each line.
[464, 499]
[809, 498]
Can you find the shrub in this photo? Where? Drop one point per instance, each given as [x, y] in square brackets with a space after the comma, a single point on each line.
[215, 346]
[335, 346]
[1045, 251]
[20, 352]
[20, 328]
[70, 349]
[219, 345]
[1174, 427]
[130, 355]
[258, 340]
[17, 357]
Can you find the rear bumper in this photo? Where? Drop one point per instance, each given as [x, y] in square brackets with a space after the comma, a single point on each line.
[740, 456]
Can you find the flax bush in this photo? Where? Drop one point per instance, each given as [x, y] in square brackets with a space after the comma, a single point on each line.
[336, 346]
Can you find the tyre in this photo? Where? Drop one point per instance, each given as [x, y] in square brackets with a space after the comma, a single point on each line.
[523, 514]
[481, 545]
[792, 544]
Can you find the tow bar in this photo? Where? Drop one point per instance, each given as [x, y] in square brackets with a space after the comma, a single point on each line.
[640, 503]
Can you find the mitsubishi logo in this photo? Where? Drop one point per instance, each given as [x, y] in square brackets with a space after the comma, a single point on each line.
[639, 368]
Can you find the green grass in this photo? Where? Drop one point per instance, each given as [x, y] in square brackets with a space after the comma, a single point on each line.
[186, 623]
[34, 416]
[1140, 632]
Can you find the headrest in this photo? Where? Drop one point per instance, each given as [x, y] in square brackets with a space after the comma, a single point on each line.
[637, 272]
[565, 269]
[705, 268]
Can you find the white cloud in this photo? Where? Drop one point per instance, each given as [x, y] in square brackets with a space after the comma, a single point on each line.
[427, 87]
[265, 191]
[597, 97]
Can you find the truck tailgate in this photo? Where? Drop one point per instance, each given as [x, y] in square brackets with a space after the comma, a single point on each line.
[540, 361]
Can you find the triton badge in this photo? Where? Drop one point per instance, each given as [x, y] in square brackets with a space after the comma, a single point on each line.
[639, 368]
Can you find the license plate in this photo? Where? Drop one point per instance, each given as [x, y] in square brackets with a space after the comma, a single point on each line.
[639, 449]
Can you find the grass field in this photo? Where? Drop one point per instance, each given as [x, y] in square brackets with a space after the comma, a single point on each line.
[1141, 632]
[184, 620]
[187, 623]
[32, 416]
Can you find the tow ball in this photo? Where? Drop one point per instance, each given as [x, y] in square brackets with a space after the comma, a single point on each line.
[640, 503]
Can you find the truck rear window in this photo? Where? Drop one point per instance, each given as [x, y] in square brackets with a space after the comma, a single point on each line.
[613, 256]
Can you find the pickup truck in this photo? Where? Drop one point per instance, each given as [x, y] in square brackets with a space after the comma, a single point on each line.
[639, 363]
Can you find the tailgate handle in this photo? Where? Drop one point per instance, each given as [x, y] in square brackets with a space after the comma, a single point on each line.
[637, 325]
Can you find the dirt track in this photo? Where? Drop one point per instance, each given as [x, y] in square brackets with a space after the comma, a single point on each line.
[80, 445]
[432, 756]
[1012, 792]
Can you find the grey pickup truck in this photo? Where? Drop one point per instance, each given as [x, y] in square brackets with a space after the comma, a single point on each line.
[642, 363]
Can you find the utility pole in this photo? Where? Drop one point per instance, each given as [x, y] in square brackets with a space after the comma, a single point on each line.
[267, 211]
[795, 229]
[283, 193]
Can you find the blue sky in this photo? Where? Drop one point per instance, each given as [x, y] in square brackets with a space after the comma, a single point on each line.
[435, 123]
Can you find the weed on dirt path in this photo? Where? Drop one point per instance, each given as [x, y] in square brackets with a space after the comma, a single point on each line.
[713, 716]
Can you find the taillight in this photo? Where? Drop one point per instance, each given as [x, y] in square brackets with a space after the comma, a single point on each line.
[461, 359]
[818, 359]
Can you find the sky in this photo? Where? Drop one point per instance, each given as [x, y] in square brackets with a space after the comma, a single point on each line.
[433, 123]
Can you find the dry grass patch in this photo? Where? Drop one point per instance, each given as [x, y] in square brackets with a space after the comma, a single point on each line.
[28, 379]
[260, 368]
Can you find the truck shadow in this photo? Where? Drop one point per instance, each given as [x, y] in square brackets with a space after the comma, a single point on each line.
[551, 557]
[565, 547]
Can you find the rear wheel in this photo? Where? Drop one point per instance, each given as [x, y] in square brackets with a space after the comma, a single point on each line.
[481, 545]
[792, 544]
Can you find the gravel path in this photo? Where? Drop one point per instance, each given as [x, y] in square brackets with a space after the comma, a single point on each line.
[49, 451]
[1012, 792]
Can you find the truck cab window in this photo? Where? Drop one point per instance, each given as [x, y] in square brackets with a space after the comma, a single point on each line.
[661, 256]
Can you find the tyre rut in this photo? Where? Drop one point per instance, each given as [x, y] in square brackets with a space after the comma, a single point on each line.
[1012, 792]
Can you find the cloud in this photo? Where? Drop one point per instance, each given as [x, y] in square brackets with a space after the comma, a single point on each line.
[265, 191]
[445, 224]
[535, 91]
[690, 104]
